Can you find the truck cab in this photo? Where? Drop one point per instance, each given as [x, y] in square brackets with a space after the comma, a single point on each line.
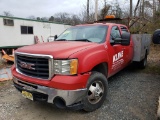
[72, 71]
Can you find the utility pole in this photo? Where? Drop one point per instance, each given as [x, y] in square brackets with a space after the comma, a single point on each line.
[87, 10]
[142, 8]
[96, 9]
[130, 8]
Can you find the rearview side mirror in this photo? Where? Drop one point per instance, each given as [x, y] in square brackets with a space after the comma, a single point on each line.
[125, 40]
[55, 37]
[126, 37]
[156, 37]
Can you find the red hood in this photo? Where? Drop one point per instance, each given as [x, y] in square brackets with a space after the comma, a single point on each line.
[58, 49]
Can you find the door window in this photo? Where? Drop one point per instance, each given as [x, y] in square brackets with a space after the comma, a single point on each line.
[115, 33]
[124, 29]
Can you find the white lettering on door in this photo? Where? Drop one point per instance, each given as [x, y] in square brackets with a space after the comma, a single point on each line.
[117, 56]
[117, 60]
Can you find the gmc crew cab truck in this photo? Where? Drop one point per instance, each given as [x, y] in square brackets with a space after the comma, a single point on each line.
[72, 71]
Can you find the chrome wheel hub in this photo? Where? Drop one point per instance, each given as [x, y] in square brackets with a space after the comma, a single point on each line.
[95, 92]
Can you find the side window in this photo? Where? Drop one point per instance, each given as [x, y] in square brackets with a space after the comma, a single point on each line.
[124, 29]
[26, 30]
[8, 22]
[115, 33]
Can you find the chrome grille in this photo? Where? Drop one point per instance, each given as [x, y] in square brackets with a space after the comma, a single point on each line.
[34, 65]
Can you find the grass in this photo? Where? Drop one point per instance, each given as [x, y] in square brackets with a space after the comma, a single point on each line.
[2, 83]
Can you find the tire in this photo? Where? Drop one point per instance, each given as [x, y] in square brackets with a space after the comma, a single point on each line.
[143, 63]
[97, 88]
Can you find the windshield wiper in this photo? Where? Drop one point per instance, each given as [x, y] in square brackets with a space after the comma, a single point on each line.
[85, 40]
[61, 40]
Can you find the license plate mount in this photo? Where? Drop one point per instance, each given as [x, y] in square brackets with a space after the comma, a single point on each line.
[27, 95]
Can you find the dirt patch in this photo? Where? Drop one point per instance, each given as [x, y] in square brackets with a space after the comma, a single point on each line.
[5, 84]
[3, 64]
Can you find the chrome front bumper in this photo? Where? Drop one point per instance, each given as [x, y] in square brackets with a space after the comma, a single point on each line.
[69, 96]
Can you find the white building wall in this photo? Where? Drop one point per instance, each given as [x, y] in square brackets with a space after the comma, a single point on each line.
[11, 35]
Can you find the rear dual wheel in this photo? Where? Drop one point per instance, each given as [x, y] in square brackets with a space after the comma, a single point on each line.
[143, 63]
[96, 92]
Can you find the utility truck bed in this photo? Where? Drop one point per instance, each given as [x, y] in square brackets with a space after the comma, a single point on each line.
[141, 46]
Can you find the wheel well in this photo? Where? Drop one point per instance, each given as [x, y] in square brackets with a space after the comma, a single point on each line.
[102, 68]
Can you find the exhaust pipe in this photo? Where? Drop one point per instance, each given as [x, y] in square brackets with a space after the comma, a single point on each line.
[59, 103]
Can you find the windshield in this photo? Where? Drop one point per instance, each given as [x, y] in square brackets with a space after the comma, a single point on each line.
[95, 33]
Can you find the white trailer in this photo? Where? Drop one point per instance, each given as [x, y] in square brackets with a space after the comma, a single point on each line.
[16, 32]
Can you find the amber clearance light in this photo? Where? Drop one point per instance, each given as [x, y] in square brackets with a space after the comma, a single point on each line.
[110, 16]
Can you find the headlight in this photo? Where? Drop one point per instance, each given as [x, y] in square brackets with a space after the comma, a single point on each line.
[66, 67]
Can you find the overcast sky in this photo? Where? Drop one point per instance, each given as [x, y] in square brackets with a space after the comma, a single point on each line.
[42, 8]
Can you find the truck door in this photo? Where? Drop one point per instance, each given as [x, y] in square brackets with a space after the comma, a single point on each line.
[127, 49]
[116, 52]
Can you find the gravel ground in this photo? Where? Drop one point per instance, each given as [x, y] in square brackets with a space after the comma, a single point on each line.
[132, 95]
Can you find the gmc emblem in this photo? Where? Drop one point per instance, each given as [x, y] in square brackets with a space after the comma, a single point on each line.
[27, 65]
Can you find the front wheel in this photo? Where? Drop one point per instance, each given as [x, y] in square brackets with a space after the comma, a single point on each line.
[97, 88]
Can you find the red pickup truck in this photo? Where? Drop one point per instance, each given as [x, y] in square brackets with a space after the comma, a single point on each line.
[72, 71]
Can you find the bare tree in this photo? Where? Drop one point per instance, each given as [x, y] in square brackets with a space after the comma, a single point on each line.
[67, 18]
[61, 17]
[104, 11]
[7, 13]
[51, 19]
[75, 20]
[38, 18]
[85, 17]
[135, 10]
[158, 5]
[32, 17]
[44, 19]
